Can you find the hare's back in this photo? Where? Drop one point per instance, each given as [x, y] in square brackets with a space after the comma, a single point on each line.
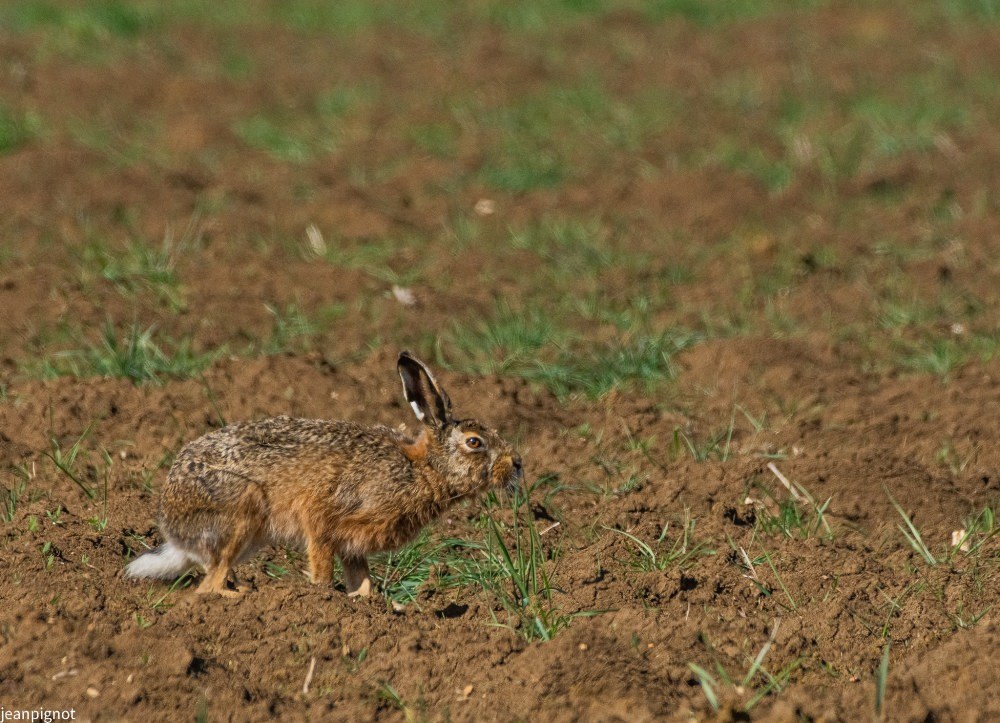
[272, 441]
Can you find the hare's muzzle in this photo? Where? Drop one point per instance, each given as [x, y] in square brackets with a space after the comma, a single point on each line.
[517, 474]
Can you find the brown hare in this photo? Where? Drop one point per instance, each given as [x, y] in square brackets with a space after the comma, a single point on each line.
[336, 487]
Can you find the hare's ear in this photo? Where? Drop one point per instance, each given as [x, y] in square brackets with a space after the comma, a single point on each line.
[429, 401]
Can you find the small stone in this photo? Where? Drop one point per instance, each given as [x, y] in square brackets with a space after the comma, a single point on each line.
[315, 238]
[404, 295]
[93, 692]
[582, 646]
[485, 207]
[959, 538]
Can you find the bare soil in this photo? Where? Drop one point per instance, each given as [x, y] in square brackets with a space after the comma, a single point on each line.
[829, 409]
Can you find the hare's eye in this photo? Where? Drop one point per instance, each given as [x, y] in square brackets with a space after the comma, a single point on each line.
[473, 442]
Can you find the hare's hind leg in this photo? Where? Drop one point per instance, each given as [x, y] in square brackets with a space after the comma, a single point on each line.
[217, 570]
[357, 579]
[243, 535]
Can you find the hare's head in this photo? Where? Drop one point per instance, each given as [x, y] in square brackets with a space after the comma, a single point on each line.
[473, 457]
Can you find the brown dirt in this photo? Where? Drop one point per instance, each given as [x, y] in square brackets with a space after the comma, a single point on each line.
[836, 416]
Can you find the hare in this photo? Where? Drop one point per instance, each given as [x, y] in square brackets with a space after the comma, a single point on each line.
[336, 487]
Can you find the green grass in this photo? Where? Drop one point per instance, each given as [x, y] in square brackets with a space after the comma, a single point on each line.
[132, 353]
[91, 20]
[280, 139]
[560, 133]
[716, 446]
[123, 143]
[529, 343]
[571, 247]
[707, 13]
[313, 130]
[683, 553]
[138, 267]
[516, 572]
[813, 127]
[795, 516]
[978, 530]
[387, 695]
[391, 261]
[510, 565]
[792, 519]
[17, 129]
[881, 678]
[401, 575]
[750, 688]
[508, 341]
[294, 331]
[10, 497]
[774, 173]
[939, 357]
[65, 461]
[642, 361]
[974, 11]
[438, 139]
[537, 17]
[318, 16]
[90, 31]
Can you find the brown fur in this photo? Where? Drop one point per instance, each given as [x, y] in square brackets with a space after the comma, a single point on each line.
[337, 487]
[416, 451]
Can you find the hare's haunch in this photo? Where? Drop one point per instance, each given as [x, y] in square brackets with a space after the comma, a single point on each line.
[338, 488]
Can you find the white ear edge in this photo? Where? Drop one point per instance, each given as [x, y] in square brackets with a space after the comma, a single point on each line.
[417, 411]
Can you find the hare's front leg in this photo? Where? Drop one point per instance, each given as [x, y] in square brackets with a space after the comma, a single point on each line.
[357, 579]
[320, 562]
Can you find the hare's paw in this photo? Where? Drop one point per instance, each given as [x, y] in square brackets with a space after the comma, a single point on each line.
[215, 582]
[357, 579]
[230, 592]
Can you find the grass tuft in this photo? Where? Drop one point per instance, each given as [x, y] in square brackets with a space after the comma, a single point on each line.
[912, 534]
[9, 499]
[744, 686]
[141, 266]
[293, 330]
[683, 553]
[401, 574]
[514, 569]
[528, 344]
[132, 354]
[275, 138]
[17, 129]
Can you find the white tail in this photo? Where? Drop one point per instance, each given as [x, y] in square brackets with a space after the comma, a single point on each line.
[165, 562]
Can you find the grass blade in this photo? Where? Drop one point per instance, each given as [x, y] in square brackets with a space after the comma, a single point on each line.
[708, 684]
[880, 680]
[912, 534]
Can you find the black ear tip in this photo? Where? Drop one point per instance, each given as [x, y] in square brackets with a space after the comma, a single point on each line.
[405, 355]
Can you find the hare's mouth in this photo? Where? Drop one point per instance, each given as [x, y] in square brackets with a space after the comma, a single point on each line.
[514, 477]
